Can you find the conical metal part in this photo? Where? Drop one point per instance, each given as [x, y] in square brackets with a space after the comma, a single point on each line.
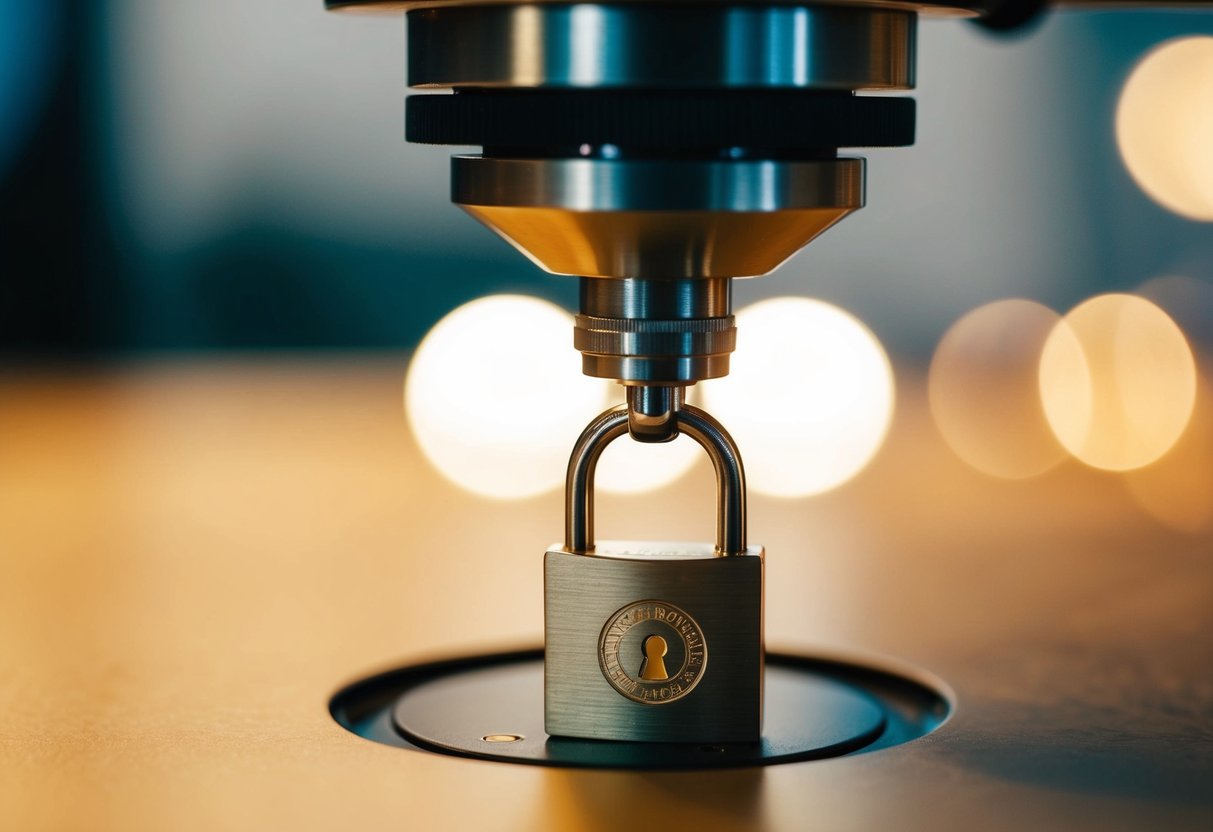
[657, 219]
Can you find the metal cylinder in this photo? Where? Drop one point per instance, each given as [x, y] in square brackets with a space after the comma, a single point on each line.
[653, 412]
[637, 45]
[655, 332]
[684, 299]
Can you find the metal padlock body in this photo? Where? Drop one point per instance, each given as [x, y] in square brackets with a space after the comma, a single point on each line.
[603, 604]
[600, 607]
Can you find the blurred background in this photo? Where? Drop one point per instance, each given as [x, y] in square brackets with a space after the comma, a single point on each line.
[248, 452]
[231, 176]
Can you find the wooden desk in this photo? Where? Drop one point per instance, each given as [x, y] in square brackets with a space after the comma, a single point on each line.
[194, 556]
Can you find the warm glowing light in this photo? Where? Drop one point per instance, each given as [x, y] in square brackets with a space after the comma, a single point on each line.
[1118, 382]
[809, 398]
[1178, 489]
[629, 467]
[1164, 126]
[1189, 302]
[984, 389]
[496, 398]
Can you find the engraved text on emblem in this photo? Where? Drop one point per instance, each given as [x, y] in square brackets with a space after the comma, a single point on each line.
[652, 652]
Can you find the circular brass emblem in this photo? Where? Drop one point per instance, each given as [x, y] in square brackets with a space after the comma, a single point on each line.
[652, 652]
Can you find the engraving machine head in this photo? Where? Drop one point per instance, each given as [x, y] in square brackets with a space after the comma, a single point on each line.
[657, 151]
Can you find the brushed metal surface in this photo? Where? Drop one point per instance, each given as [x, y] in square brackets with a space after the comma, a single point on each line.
[665, 219]
[725, 596]
[653, 412]
[648, 300]
[618, 185]
[637, 331]
[600, 46]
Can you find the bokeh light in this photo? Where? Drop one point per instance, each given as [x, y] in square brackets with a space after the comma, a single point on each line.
[1189, 302]
[1164, 126]
[809, 398]
[984, 389]
[496, 398]
[1178, 489]
[1118, 382]
[629, 467]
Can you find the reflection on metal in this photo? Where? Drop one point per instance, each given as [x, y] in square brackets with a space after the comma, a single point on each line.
[600, 602]
[669, 216]
[653, 412]
[657, 244]
[658, 184]
[640, 45]
[632, 631]
[660, 332]
[695, 423]
[652, 665]
[689, 299]
[657, 219]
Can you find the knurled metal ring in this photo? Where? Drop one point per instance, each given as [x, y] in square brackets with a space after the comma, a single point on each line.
[658, 338]
[649, 326]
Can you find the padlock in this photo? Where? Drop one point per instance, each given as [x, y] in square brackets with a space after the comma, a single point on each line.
[657, 642]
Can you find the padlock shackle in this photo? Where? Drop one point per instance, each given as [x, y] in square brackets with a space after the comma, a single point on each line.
[711, 436]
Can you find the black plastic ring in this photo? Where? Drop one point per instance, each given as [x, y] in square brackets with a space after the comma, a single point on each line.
[781, 121]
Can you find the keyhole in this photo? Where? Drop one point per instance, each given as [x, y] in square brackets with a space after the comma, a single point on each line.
[652, 668]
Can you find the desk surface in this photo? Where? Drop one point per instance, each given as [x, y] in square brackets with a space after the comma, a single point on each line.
[195, 556]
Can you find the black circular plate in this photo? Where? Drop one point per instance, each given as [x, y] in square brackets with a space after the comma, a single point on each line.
[815, 708]
[478, 712]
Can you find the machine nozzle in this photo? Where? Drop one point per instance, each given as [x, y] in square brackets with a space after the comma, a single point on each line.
[653, 412]
[657, 152]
